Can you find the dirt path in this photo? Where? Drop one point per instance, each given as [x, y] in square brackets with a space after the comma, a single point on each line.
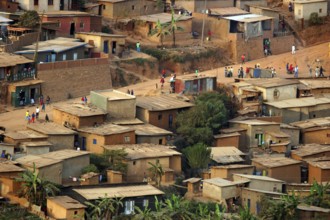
[14, 120]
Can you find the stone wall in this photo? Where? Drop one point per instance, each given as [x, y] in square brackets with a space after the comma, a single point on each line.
[71, 79]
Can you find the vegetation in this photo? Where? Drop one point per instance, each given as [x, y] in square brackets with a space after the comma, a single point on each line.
[104, 208]
[156, 171]
[90, 168]
[29, 19]
[173, 27]
[200, 123]
[36, 189]
[318, 195]
[14, 212]
[161, 30]
[198, 156]
[314, 19]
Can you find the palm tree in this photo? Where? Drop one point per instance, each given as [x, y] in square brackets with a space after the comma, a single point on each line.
[161, 30]
[173, 26]
[36, 189]
[157, 172]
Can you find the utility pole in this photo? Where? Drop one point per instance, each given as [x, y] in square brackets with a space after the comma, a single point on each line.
[35, 58]
[203, 26]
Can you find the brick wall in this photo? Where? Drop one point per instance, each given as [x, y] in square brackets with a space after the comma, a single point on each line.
[19, 42]
[74, 78]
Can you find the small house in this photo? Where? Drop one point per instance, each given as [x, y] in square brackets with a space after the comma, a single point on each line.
[8, 172]
[310, 151]
[94, 138]
[194, 85]
[293, 132]
[37, 5]
[103, 42]
[282, 168]
[58, 49]
[64, 207]
[35, 147]
[277, 141]
[200, 5]
[7, 148]
[313, 87]
[132, 195]
[230, 139]
[140, 155]
[16, 137]
[193, 185]
[118, 105]
[147, 133]
[303, 9]
[261, 182]
[262, 10]
[76, 115]
[312, 212]
[315, 130]
[227, 172]
[47, 168]
[59, 136]
[90, 178]
[73, 161]
[319, 170]
[160, 111]
[292, 110]
[226, 155]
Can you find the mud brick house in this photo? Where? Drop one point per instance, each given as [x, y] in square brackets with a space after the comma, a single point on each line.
[145, 23]
[230, 139]
[277, 141]
[118, 105]
[64, 207]
[8, 6]
[315, 87]
[192, 85]
[48, 168]
[8, 172]
[59, 136]
[310, 151]
[226, 155]
[58, 49]
[199, 5]
[303, 9]
[293, 132]
[94, 138]
[132, 195]
[292, 110]
[227, 172]
[103, 42]
[71, 22]
[282, 168]
[319, 170]
[17, 80]
[229, 135]
[315, 130]
[261, 182]
[73, 161]
[147, 133]
[16, 137]
[139, 156]
[160, 111]
[35, 147]
[76, 115]
[115, 9]
[312, 212]
[255, 131]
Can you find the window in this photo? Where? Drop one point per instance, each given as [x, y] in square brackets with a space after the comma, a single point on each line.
[103, 7]
[36, 2]
[50, 2]
[75, 212]
[145, 202]
[82, 25]
[160, 141]
[75, 56]
[160, 117]
[94, 141]
[127, 139]
[134, 162]
[64, 57]
[129, 207]
[133, 7]
[320, 10]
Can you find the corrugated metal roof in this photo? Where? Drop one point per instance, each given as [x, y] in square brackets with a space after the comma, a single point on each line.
[38, 160]
[106, 129]
[50, 129]
[315, 122]
[316, 84]
[299, 103]
[321, 164]
[8, 59]
[79, 109]
[222, 182]
[271, 162]
[310, 149]
[118, 192]
[161, 103]
[264, 178]
[7, 167]
[226, 155]
[248, 18]
[24, 134]
[162, 17]
[227, 11]
[272, 82]
[149, 130]
[64, 154]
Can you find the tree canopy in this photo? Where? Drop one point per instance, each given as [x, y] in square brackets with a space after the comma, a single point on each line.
[29, 19]
[198, 156]
[200, 123]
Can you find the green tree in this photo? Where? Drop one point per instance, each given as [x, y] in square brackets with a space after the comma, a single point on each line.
[29, 19]
[160, 30]
[156, 171]
[36, 189]
[198, 156]
[173, 26]
[318, 195]
[245, 214]
[201, 122]
[178, 208]
[104, 208]
[314, 19]
[90, 168]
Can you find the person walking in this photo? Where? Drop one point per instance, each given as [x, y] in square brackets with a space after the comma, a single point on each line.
[27, 115]
[85, 100]
[46, 118]
[37, 112]
[33, 117]
[47, 100]
[43, 107]
[317, 72]
[321, 71]
[293, 51]
[310, 70]
[138, 46]
[162, 81]
[296, 72]
[243, 58]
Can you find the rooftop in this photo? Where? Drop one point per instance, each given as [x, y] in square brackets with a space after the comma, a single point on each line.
[126, 121]
[321, 164]
[311, 123]
[162, 18]
[254, 122]
[271, 82]
[264, 8]
[56, 45]
[35, 143]
[8, 59]
[161, 103]
[227, 11]
[231, 130]
[248, 18]
[192, 180]
[4, 20]
[222, 182]
[272, 162]
[233, 166]
[113, 95]
[118, 191]
[50, 129]
[141, 151]
[308, 1]
[106, 129]
[149, 130]
[278, 134]
[299, 103]
[64, 154]
[24, 134]
[8, 167]
[310, 149]
[312, 208]
[79, 109]
[38, 160]
[226, 155]
[264, 192]
[233, 134]
[26, 82]
[316, 84]
[67, 202]
[65, 14]
[102, 34]
[264, 178]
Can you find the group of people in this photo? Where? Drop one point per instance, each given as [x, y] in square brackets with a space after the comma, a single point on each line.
[31, 118]
[229, 72]
[319, 71]
[290, 69]
[84, 100]
[130, 92]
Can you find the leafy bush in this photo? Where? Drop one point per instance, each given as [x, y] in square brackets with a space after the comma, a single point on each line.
[314, 19]
[29, 19]
[90, 168]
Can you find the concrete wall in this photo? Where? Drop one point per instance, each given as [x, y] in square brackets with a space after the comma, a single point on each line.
[269, 13]
[61, 142]
[219, 194]
[72, 167]
[36, 150]
[294, 135]
[51, 173]
[285, 92]
[261, 184]
[306, 9]
[321, 136]
[199, 5]
[281, 44]
[98, 100]
[164, 121]
[125, 108]
[58, 83]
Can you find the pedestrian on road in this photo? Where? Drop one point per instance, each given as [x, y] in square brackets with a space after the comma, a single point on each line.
[41, 99]
[43, 108]
[293, 49]
[27, 115]
[321, 71]
[317, 71]
[37, 112]
[310, 70]
[47, 100]
[32, 101]
[46, 118]
[138, 46]
[243, 58]
[85, 100]
[162, 81]
[33, 117]
[296, 72]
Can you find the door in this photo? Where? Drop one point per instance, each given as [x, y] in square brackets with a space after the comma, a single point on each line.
[260, 139]
[106, 46]
[53, 57]
[114, 45]
[32, 93]
[72, 28]
[61, 4]
[83, 143]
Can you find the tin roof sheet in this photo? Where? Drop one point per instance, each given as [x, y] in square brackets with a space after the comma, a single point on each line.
[8, 59]
[106, 129]
[310, 149]
[51, 129]
[161, 103]
[247, 18]
[272, 162]
[299, 103]
[79, 109]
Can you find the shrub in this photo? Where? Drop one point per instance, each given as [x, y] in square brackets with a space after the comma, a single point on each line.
[314, 19]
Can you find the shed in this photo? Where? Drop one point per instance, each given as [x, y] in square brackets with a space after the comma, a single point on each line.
[16, 137]
[8, 172]
[147, 133]
[194, 85]
[226, 155]
[227, 171]
[310, 151]
[229, 139]
[261, 182]
[64, 207]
